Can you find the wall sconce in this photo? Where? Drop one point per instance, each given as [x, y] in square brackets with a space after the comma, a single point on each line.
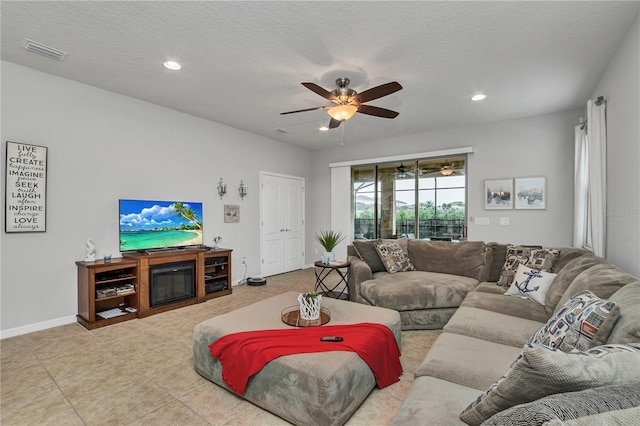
[242, 190]
[222, 188]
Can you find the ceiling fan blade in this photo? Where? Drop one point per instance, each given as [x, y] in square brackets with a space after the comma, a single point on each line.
[320, 91]
[334, 123]
[377, 92]
[377, 111]
[304, 110]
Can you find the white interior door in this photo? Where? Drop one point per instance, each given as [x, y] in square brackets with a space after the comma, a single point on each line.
[282, 223]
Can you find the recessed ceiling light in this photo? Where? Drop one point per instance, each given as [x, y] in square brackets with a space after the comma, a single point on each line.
[174, 66]
[323, 128]
[478, 97]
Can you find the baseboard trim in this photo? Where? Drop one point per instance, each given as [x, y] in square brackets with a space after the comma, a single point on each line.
[38, 326]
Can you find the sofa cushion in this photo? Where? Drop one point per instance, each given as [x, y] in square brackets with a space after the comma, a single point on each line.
[433, 401]
[531, 283]
[540, 371]
[627, 329]
[492, 326]
[515, 256]
[416, 290]
[465, 258]
[583, 322]
[567, 254]
[570, 405]
[521, 307]
[602, 280]
[393, 257]
[566, 276]
[489, 287]
[495, 256]
[455, 358]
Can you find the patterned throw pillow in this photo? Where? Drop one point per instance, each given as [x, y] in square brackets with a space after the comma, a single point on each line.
[531, 283]
[543, 258]
[515, 256]
[393, 257]
[570, 405]
[583, 322]
[540, 371]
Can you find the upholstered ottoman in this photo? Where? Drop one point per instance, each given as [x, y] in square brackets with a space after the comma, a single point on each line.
[322, 388]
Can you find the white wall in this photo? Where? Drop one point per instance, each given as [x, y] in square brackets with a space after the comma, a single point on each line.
[536, 146]
[620, 85]
[102, 147]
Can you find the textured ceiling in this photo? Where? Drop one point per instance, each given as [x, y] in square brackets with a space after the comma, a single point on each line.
[243, 62]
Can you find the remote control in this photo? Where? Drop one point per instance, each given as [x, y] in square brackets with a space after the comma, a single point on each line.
[331, 339]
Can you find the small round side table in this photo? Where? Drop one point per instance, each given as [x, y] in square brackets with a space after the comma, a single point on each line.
[324, 270]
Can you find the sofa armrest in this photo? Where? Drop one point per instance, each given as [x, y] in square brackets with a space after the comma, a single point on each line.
[359, 272]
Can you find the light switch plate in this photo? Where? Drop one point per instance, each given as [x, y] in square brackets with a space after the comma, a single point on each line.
[482, 221]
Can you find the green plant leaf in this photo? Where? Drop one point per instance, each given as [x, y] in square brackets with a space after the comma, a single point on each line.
[329, 239]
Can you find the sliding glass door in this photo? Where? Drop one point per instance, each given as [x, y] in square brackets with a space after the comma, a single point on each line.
[418, 199]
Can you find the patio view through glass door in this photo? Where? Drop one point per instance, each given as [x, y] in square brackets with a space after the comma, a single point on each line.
[418, 199]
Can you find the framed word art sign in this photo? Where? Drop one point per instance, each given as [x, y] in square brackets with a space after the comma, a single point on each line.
[26, 188]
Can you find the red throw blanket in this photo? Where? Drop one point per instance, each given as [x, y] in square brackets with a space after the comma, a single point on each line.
[244, 354]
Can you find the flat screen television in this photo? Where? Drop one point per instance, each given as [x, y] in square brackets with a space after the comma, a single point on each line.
[148, 225]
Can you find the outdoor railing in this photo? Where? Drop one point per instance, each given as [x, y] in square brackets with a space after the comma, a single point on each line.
[427, 228]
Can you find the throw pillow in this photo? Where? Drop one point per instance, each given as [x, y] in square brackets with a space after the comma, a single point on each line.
[531, 283]
[543, 259]
[393, 257]
[366, 250]
[569, 405]
[515, 256]
[541, 371]
[583, 322]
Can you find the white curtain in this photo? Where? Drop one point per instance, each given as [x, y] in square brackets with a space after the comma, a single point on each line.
[597, 147]
[589, 225]
[581, 189]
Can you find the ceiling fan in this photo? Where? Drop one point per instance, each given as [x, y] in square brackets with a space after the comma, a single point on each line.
[403, 171]
[446, 169]
[346, 101]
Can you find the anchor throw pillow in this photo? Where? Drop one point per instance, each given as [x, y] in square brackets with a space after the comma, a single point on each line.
[531, 283]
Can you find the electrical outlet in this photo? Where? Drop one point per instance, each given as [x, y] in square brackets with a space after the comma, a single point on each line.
[504, 221]
[244, 261]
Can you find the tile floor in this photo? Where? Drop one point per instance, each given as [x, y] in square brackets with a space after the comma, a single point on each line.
[140, 372]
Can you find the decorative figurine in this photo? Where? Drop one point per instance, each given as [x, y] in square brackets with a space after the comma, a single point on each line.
[91, 250]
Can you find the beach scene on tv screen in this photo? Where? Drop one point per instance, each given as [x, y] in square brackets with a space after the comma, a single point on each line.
[159, 224]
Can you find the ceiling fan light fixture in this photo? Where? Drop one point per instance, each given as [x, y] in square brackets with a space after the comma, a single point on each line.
[446, 170]
[342, 112]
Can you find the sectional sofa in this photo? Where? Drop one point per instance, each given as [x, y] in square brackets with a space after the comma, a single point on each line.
[563, 346]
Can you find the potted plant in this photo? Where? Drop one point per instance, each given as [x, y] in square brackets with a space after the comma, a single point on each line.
[329, 240]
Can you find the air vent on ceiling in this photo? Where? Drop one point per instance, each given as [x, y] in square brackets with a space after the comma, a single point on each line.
[279, 130]
[44, 50]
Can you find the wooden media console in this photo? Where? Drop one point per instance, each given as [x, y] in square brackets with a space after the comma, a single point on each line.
[116, 291]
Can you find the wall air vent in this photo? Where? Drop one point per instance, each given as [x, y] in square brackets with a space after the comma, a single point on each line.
[44, 50]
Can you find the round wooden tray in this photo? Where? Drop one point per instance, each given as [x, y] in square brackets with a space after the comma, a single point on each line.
[291, 316]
